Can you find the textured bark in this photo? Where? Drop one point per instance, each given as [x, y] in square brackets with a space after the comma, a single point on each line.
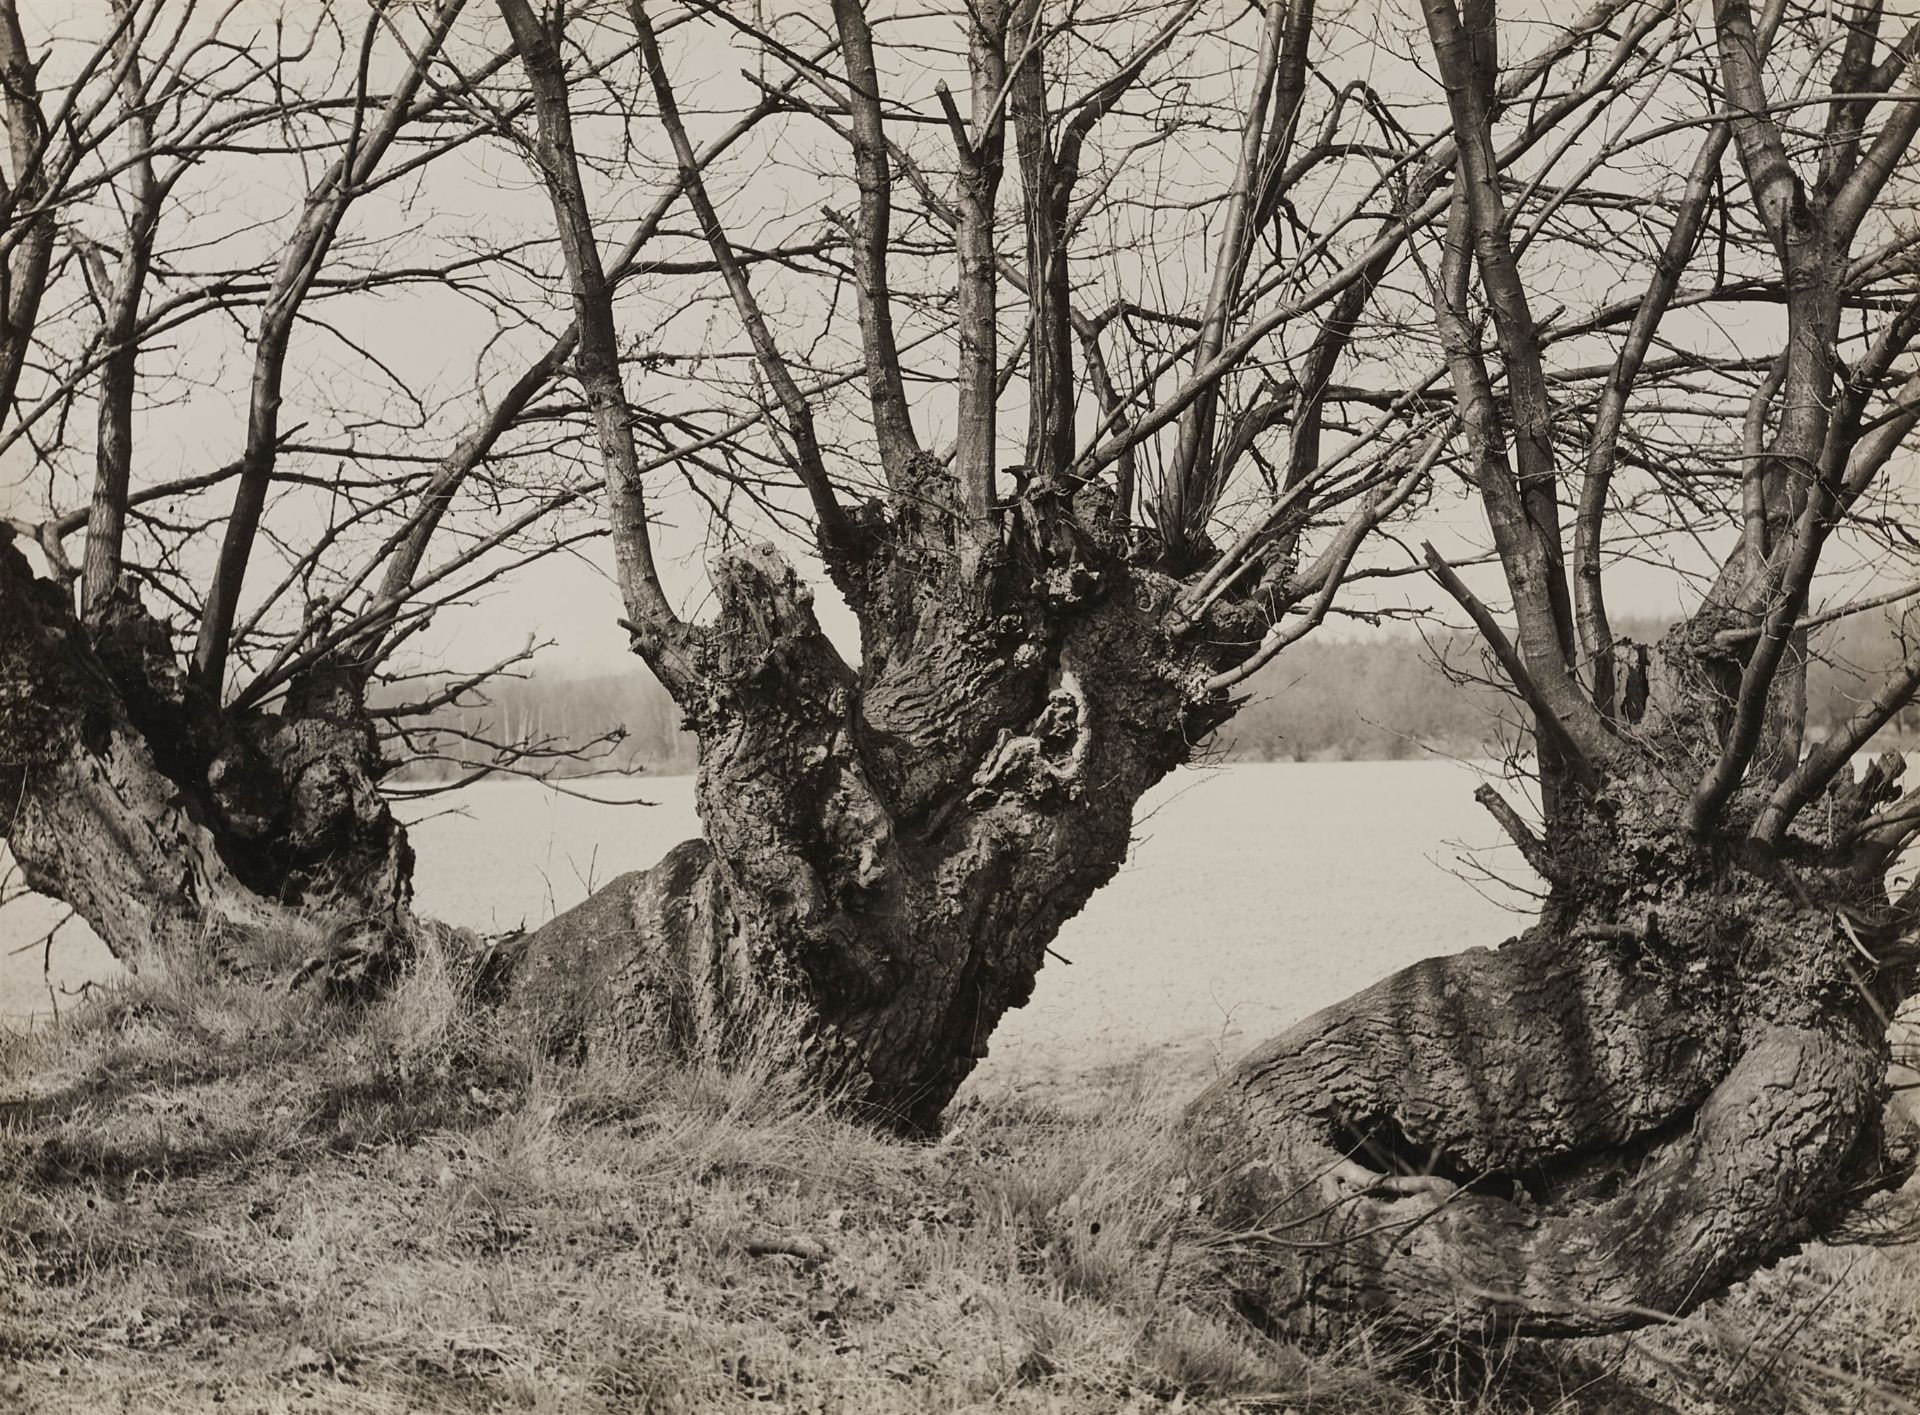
[1679, 1071]
[889, 850]
[1675, 1076]
[163, 821]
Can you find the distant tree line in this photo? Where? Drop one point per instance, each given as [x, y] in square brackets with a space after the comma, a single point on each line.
[550, 725]
[1388, 696]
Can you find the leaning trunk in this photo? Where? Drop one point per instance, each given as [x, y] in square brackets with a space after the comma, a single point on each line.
[1675, 1076]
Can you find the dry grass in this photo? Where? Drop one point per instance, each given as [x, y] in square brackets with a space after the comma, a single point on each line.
[213, 1197]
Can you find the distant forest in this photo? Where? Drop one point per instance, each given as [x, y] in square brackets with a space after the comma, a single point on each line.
[1381, 697]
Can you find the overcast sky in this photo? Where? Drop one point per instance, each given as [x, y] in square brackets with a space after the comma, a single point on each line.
[432, 341]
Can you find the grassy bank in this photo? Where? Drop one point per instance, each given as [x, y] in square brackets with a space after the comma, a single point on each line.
[213, 1198]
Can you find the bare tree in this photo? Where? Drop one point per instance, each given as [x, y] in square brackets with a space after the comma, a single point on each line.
[1087, 352]
[1056, 597]
[219, 770]
[1679, 1071]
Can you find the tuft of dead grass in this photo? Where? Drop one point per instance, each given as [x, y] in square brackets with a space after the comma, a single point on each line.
[224, 1197]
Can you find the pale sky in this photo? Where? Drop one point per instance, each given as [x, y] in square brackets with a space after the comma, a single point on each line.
[432, 339]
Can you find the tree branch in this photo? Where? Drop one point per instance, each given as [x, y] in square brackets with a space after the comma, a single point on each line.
[326, 208]
[1603, 449]
[1266, 134]
[1548, 723]
[833, 528]
[1462, 52]
[886, 391]
[981, 156]
[106, 526]
[23, 278]
[597, 364]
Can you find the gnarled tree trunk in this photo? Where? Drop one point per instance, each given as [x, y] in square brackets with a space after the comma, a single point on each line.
[890, 847]
[164, 821]
[888, 850]
[1677, 1074]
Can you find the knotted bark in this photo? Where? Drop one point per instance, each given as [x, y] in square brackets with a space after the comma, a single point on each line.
[888, 850]
[164, 821]
[1676, 1075]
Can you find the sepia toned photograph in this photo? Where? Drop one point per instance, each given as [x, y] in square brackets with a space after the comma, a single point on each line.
[861, 707]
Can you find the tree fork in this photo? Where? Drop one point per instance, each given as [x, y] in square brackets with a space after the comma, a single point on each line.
[891, 851]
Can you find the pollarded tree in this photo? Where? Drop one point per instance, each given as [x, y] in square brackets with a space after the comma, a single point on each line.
[213, 256]
[1679, 1071]
[141, 799]
[1041, 644]
[1119, 445]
